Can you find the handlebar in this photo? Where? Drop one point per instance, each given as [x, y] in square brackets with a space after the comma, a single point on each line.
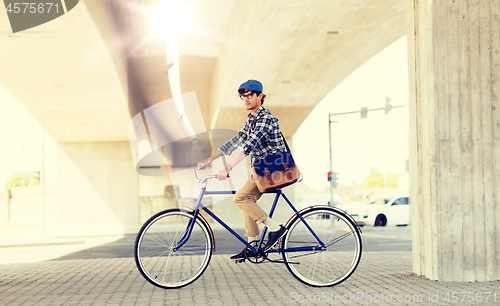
[203, 180]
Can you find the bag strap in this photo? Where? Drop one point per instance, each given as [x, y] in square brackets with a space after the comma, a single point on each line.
[286, 144]
[284, 140]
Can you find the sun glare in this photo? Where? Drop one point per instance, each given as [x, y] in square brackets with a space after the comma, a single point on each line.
[171, 19]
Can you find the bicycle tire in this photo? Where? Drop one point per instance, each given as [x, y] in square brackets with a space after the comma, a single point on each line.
[154, 255]
[323, 268]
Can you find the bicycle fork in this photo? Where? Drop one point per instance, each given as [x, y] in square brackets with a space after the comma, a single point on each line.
[187, 232]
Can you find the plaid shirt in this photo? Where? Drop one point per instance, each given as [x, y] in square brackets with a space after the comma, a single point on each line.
[259, 137]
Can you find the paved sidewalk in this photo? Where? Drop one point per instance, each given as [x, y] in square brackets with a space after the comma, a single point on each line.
[380, 275]
[24, 236]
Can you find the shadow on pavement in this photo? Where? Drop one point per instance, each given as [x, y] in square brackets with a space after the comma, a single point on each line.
[124, 248]
[375, 239]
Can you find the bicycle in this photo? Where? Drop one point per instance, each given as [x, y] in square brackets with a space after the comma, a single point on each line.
[322, 247]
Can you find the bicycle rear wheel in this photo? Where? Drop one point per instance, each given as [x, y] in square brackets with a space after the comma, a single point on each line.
[323, 268]
[154, 255]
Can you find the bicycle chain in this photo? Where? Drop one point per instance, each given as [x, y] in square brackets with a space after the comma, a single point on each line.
[258, 258]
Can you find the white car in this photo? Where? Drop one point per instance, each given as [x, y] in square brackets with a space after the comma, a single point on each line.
[388, 210]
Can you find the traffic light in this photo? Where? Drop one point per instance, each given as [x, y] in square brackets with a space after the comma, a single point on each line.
[332, 177]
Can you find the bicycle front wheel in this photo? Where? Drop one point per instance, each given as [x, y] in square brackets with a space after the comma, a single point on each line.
[154, 254]
[334, 264]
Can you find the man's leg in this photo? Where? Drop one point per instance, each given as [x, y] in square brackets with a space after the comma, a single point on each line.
[246, 199]
[251, 227]
[253, 215]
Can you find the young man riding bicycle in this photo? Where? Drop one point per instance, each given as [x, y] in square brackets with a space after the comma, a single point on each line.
[259, 137]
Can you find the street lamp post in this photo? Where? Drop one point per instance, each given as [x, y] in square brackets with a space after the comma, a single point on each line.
[331, 166]
[364, 114]
[42, 181]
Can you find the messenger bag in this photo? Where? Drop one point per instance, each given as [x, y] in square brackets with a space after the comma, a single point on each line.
[275, 171]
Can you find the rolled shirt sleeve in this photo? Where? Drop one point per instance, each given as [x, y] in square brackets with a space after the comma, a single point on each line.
[229, 146]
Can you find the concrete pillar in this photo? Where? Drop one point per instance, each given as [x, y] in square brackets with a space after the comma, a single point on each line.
[454, 67]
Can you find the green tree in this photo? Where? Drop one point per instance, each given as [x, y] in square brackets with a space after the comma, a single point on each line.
[393, 180]
[16, 179]
[376, 179]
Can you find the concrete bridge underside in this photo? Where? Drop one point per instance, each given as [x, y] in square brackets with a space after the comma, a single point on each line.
[97, 66]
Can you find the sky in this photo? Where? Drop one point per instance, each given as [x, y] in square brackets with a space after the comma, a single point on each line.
[378, 142]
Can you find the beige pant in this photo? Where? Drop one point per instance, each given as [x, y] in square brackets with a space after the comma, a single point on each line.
[246, 198]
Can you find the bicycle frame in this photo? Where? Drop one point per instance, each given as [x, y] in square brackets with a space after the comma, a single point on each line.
[257, 249]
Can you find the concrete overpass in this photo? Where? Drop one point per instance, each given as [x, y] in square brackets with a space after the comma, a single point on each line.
[87, 73]
[299, 49]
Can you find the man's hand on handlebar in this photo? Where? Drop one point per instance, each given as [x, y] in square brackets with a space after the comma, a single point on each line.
[203, 164]
[222, 175]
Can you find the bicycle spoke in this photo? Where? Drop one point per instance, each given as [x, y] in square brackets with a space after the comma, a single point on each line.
[329, 268]
[331, 265]
[155, 257]
[303, 255]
